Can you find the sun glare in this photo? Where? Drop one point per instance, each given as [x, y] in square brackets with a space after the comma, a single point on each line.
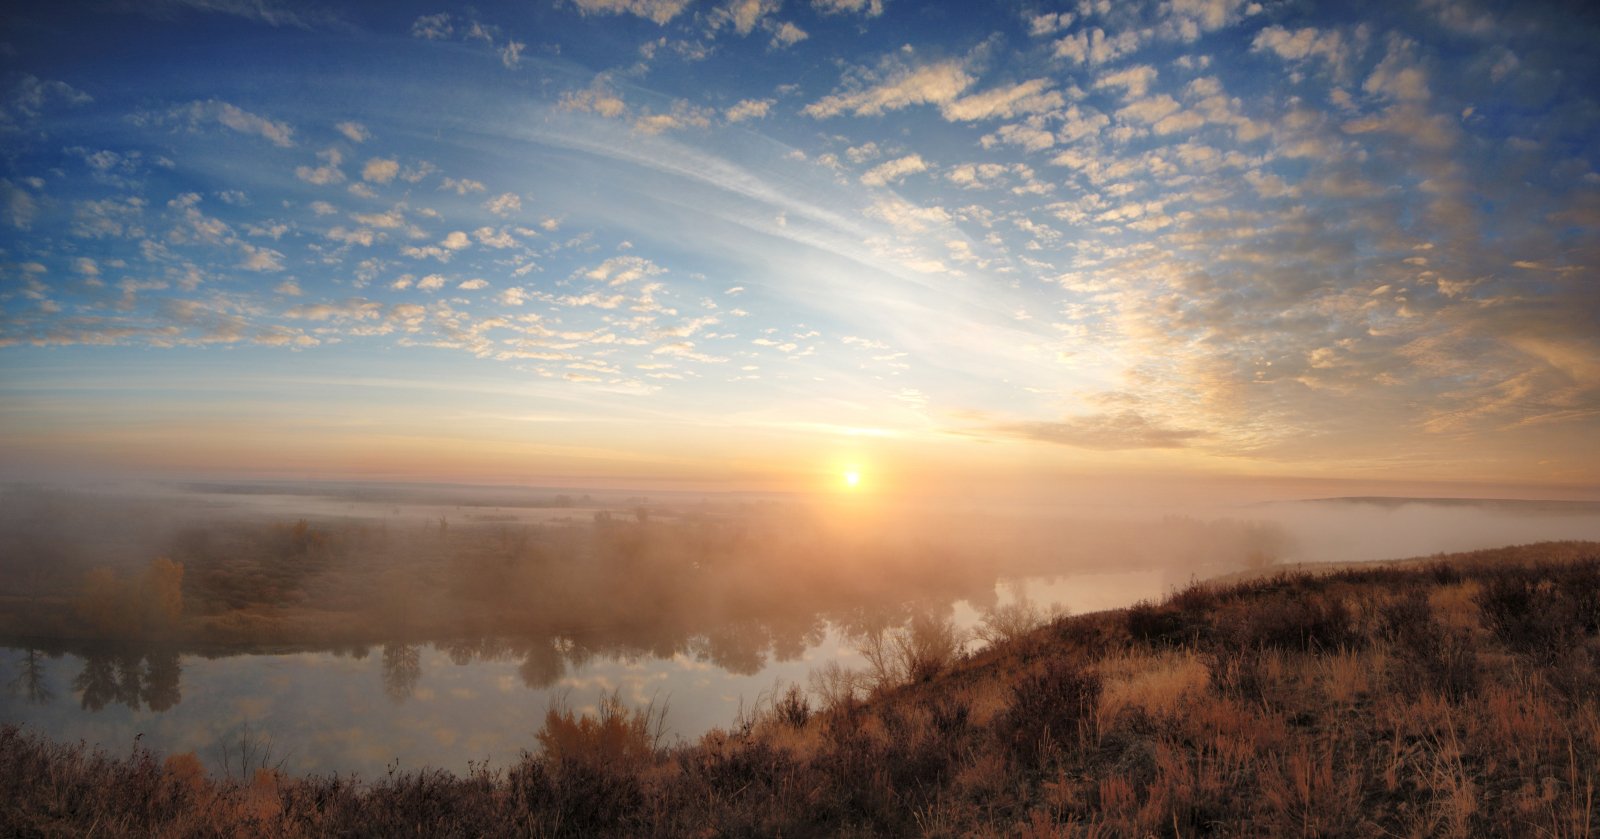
[852, 478]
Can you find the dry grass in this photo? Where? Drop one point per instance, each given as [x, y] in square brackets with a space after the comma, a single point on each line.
[1157, 684]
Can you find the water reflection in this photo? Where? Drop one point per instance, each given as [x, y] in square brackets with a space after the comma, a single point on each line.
[131, 678]
[30, 678]
[402, 667]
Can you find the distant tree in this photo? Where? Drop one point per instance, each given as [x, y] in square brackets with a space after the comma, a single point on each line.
[102, 603]
[149, 605]
[162, 594]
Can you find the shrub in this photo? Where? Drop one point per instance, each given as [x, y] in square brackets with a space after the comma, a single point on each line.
[916, 652]
[1157, 625]
[1426, 656]
[1529, 615]
[618, 738]
[1049, 709]
[1297, 620]
[1011, 621]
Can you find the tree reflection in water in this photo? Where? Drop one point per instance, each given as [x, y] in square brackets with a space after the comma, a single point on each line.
[30, 679]
[129, 677]
[402, 669]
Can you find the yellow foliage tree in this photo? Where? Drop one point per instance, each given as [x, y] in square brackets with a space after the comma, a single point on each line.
[153, 604]
[162, 593]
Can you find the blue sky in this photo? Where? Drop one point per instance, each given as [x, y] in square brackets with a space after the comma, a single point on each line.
[752, 242]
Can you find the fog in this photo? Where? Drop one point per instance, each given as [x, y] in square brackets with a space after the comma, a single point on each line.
[710, 597]
[732, 579]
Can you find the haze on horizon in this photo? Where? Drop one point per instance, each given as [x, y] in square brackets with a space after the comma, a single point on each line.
[761, 245]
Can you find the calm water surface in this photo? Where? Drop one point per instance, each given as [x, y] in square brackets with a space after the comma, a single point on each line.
[412, 706]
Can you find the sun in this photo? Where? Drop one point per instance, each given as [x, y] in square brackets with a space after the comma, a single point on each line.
[852, 478]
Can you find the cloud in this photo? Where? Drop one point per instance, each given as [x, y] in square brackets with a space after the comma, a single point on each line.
[934, 84]
[787, 35]
[432, 27]
[1149, 110]
[598, 98]
[894, 170]
[387, 220]
[29, 96]
[620, 270]
[1030, 137]
[504, 204]
[743, 15]
[262, 11]
[354, 308]
[659, 11]
[18, 205]
[380, 171]
[683, 115]
[109, 218]
[1029, 97]
[461, 186]
[1301, 44]
[1094, 46]
[489, 237]
[359, 236]
[1398, 76]
[1135, 80]
[278, 133]
[870, 8]
[511, 54]
[260, 259]
[1104, 432]
[747, 109]
[1048, 23]
[322, 175]
[1185, 20]
[906, 216]
[355, 132]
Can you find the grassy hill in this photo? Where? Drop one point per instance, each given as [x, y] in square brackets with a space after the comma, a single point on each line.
[1456, 696]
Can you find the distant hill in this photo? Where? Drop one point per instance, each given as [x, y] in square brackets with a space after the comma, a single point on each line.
[1509, 505]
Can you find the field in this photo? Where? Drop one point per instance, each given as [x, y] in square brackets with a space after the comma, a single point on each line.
[1457, 696]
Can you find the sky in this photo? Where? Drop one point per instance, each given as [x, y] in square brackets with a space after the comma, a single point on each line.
[759, 243]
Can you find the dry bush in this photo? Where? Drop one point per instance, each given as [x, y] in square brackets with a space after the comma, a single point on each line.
[1014, 620]
[1295, 619]
[616, 738]
[1156, 625]
[916, 652]
[1542, 613]
[1051, 709]
[837, 687]
[1425, 656]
